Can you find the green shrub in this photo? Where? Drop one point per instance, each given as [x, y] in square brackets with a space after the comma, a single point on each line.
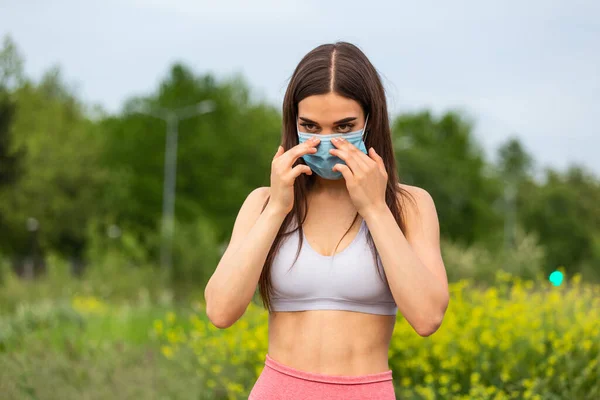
[481, 264]
[195, 253]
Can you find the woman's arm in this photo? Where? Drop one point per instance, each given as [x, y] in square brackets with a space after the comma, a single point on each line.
[233, 284]
[413, 263]
[231, 287]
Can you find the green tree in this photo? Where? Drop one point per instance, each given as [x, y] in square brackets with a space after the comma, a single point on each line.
[222, 156]
[61, 179]
[442, 156]
[515, 167]
[11, 65]
[9, 158]
[515, 163]
[564, 211]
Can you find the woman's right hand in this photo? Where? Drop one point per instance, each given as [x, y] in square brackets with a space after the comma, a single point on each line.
[283, 175]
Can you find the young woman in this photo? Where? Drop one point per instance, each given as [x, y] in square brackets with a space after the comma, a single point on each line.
[336, 244]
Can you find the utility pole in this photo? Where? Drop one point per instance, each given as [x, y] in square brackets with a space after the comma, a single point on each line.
[172, 118]
[510, 217]
[29, 270]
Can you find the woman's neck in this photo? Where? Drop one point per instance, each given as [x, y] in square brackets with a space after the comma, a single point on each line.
[334, 188]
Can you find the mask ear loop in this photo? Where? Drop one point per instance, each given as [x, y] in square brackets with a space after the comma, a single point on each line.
[365, 128]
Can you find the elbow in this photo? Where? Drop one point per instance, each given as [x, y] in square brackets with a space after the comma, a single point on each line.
[220, 323]
[428, 326]
[218, 319]
[221, 317]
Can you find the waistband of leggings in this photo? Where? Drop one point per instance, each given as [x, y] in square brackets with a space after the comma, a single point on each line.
[325, 378]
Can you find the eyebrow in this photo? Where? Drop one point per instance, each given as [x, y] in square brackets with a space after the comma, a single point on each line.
[341, 121]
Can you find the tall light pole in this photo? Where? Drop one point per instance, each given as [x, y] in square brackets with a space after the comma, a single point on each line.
[510, 211]
[172, 118]
[32, 227]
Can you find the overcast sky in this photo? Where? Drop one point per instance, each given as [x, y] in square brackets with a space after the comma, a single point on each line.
[525, 67]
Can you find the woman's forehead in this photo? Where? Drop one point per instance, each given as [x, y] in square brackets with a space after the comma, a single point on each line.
[328, 108]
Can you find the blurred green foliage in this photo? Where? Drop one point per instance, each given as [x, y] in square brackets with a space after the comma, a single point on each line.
[93, 180]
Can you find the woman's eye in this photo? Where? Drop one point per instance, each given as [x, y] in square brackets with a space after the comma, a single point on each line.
[345, 127]
[309, 127]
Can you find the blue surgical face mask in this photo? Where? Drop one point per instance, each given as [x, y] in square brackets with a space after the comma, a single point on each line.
[322, 162]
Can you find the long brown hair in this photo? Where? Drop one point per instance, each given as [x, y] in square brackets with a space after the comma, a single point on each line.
[344, 69]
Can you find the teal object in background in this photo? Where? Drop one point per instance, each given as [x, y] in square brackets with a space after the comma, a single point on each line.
[556, 278]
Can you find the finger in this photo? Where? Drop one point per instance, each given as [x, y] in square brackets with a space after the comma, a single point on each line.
[308, 147]
[352, 159]
[363, 159]
[349, 153]
[377, 158]
[299, 169]
[279, 152]
[346, 172]
[360, 157]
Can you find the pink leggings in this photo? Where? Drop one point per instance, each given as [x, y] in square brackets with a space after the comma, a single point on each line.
[281, 382]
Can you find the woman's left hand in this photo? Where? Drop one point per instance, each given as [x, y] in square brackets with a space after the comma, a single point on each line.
[365, 175]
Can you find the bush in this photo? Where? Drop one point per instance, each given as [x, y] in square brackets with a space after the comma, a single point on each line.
[113, 277]
[520, 339]
[481, 264]
[87, 349]
[29, 318]
[195, 253]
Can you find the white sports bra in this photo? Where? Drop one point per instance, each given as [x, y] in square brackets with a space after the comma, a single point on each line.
[346, 281]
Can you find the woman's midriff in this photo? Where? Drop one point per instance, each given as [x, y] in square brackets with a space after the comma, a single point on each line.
[330, 341]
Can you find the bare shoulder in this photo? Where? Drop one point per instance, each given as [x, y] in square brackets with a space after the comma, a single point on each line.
[418, 208]
[249, 212]
[420, 199]
[257, 197]
[253, 205]
[261, 192]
